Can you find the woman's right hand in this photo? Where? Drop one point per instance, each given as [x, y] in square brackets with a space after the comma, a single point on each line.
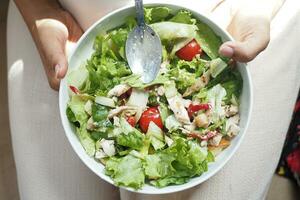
[51, 39]
[51, 28]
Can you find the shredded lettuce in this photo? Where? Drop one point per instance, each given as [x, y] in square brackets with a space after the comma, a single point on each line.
[156, 136]
[86, 140]
[134, 81]
[231, 80]
[172, 30]
[126, 171]
[182, 159]
[215, 96]
[172, 124]
[76, 111]
[130, 137]
[156, 14]
[210, 42]
[183, 16]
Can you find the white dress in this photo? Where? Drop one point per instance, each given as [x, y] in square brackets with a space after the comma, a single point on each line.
[47, 167]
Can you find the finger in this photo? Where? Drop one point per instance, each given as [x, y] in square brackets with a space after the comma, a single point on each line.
[247, 50]
[252, 36]
[60, 65]
[57, 63]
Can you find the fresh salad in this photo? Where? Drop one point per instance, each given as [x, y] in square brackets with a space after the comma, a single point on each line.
[165, 132]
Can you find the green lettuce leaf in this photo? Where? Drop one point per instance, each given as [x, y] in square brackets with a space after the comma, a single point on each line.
[158, 165]
[77, 77]
[76, 111]
[99, 112]
[130, 137]
[215, 97]
[169, 180]
[217, 66]
[156, 14]
[183, 78]
[183, 16]
[209, 41]
[164, 111]
[231, 80]
[176, 164]
[156, 136]
[86, 140]
[134, 81]
[172, 30]
[172, 123]
[126, 171]
[185, 73]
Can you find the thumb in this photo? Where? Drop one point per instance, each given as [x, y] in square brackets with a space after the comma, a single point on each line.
[56, 58]
[60, 64]
[251, 40]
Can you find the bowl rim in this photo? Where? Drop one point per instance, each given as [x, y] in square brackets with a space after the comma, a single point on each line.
[184, 186]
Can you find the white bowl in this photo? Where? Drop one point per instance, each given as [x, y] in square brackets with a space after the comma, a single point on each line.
[83, 51]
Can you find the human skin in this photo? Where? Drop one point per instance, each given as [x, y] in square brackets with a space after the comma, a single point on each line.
[52, 28]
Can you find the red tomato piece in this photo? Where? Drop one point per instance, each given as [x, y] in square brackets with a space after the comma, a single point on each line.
[189, 51]
[151, 114]
[196, 107]
[131, 120]
[74, 89]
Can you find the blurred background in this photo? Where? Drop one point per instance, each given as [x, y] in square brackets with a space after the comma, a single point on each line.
[280, 189]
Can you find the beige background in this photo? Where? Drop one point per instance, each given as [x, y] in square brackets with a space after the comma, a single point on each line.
[281, 189]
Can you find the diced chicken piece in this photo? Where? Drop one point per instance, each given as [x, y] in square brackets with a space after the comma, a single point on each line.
[232, 127]
[88, 107]
[90, 124]
[177, 106]
[116, 121]
[187, 102]
[203, 143]
[199, 84]
[201, 120]
[163, 67]
[234, 119]
[233, 130]
[118, 90]
[120, 109]
[100, 154]
[231, 110]
[161, 90]
[108, 147]
[215, 141]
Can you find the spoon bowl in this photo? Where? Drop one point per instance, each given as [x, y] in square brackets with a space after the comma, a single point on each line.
[143, 48]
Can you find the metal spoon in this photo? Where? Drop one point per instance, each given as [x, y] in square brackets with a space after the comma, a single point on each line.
[143, 48]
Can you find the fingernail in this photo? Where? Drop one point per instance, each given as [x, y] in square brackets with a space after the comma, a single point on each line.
[226, 51]
[57, 69]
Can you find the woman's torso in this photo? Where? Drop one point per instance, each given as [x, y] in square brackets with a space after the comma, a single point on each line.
[88, 12]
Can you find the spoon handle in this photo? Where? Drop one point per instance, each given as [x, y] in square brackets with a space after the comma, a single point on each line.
[140, 13]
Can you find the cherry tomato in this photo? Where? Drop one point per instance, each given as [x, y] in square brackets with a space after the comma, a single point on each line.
[151, 114]
[189, 51]
[196, 107]
[131, 120]
[74, 89]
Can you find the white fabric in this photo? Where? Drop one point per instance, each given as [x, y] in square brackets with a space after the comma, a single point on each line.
[47, 167]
